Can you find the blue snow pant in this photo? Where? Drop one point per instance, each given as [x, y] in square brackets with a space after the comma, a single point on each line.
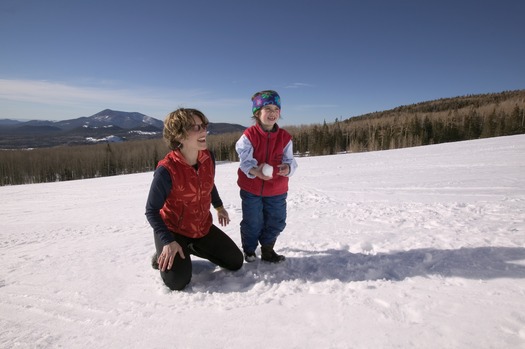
[263, 219]
[216, 246]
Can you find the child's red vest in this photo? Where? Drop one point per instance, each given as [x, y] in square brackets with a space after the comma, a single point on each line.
[268, 147]
[187, 208]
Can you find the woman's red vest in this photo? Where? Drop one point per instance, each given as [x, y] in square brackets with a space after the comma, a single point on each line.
[187, 208]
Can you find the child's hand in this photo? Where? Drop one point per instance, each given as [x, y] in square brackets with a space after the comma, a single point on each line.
[257, 172]
[284, 170]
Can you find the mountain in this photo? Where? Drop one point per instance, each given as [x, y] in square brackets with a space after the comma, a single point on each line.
[221, 127]
[108, 118]
[9, 122]
[99, 127]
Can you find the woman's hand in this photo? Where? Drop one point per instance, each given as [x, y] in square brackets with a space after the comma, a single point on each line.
[224, 218]
[168, 254]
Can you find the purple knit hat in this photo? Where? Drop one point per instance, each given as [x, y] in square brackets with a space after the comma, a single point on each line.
[260, 99]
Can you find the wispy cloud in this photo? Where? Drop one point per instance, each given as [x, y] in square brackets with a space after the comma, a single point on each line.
[298, 85]
[108, 95]
[315, 106]
[55, 93]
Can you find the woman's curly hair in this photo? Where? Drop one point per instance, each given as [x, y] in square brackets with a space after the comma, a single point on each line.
[177, 123]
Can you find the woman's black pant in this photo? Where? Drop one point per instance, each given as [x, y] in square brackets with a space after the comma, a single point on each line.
[216, 246]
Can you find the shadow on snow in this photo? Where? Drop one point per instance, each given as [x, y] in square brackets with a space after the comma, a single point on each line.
[316, 266]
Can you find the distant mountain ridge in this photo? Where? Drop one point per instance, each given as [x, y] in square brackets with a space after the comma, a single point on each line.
[108, 117]
[104, 118]
[104, 125]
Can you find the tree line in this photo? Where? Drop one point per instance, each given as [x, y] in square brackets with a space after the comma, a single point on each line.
[439, 121]
[79, 162]
[448, 120]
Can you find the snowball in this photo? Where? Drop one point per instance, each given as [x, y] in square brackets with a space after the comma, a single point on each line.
[267, 170]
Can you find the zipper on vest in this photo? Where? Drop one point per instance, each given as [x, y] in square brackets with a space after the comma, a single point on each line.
[267, 156]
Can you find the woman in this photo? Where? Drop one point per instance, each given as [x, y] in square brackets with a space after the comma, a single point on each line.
[178, 205]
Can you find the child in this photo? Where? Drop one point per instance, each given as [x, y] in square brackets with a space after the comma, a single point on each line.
[264, 195]
[179, 200]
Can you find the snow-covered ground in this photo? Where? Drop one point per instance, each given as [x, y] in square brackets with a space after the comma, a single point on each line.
[413, 248]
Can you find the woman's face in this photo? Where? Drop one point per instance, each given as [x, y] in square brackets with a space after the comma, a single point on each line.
[269, 116]
[196, 139]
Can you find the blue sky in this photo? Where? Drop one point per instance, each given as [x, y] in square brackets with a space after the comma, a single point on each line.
[327, 59]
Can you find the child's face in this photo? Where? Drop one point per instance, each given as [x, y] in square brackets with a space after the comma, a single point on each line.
[269, 116]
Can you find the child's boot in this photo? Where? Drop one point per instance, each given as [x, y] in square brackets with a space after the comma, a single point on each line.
[269, 255]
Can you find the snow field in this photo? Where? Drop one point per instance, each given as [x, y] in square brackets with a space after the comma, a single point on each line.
[412, 248]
